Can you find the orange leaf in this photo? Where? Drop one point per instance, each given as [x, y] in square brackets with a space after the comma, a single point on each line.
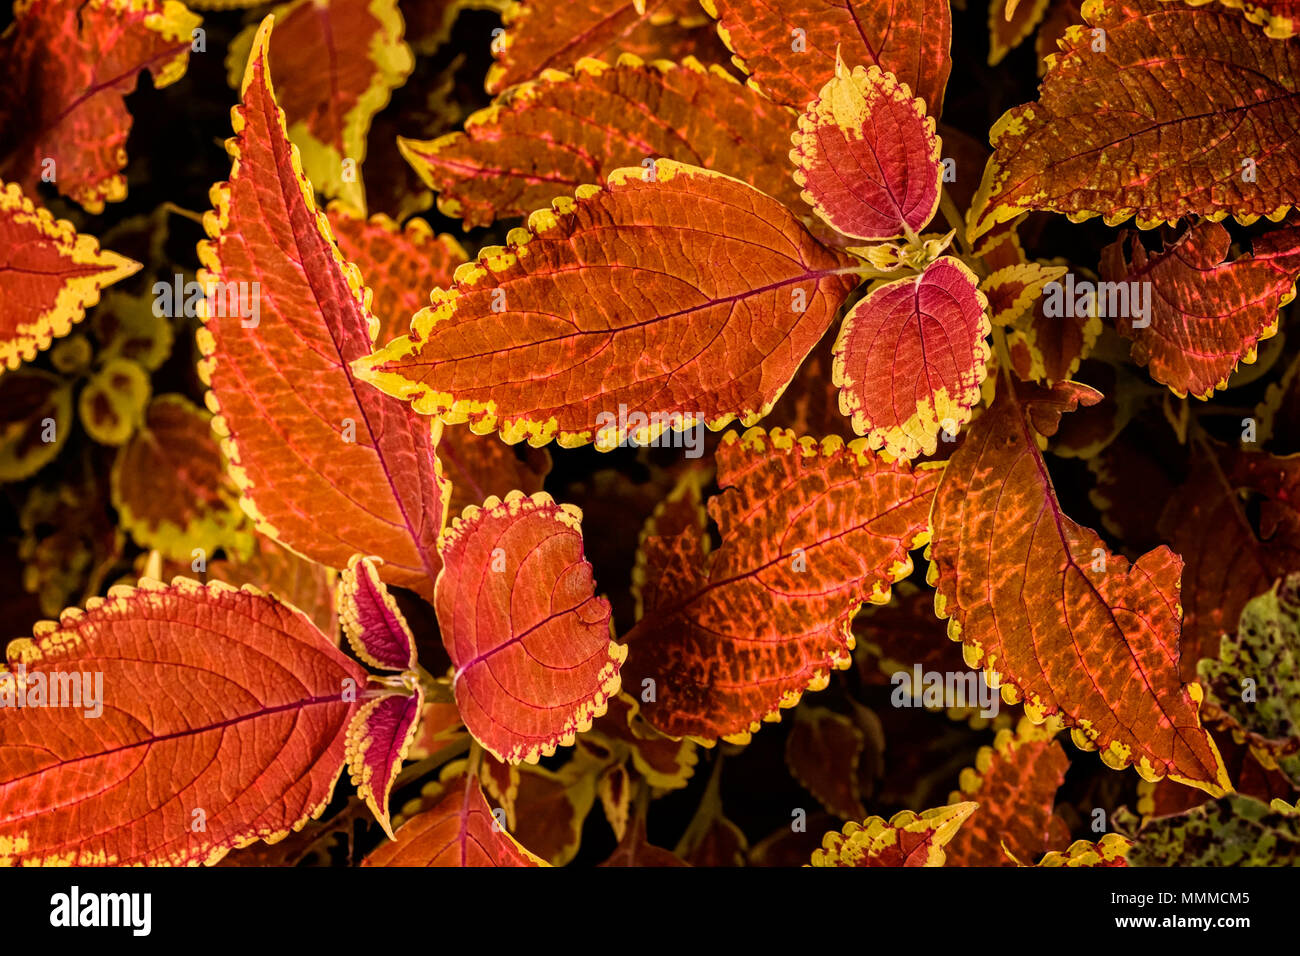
[327, 465]
[555, 34]
[867, 157]
[52, 276]
[169, 484]
[1015, 783]
[687, 262]
[402, 266]
[199, 746]
[519, 618]
[479, 466]
[911, 356]
[809, 533]
[1084, 150]
[1008, 32]
[35, 417]
[546, 138]
[822, 753]
[907, 839]
[284, 575]
[790, 47]
[1038, 600]
[69, 65]
[458, 830]
[338, 63]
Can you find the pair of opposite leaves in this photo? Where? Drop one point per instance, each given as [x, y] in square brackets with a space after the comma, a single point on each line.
[226, 212]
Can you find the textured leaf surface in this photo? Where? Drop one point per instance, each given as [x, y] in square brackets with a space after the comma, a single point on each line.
[337, 65]
[459, 830]
[1015, 783]
[697, 272]
[1237, 520]
[867, 157]
[69, 65]
[1206, 314]
[1255, 680]
[1139, 129]
[169, 484]
[1049, 349]
[223, 701]
[400, 265]
[34, 406]
[908, 38]
[545, 138]
[1236, 831]
[1012, 289]
[1110, 850]
[911, 356]
[371, 619]
[1277, 17]
[555, 34]
[822, 752]
[479, 466]
[1016, 577]
[906, 839]
[282, 574]
[528, 637]
[809, 533]
[51, 276]
[379, 738]
[283, 392]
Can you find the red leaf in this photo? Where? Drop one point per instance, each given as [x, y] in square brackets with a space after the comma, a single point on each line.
[69, 65]
[822, 753]
[371, 620]
[866, 156]
[34, 406]
[543, 339]
[809, 533]
[52, 276]
[790, 47]
[480, 466]
[1205, 314]
[283, 391]
[379, 738]
[1037, 599]
[911, 356]
[220, 707]
[459, 830]
[529, 640]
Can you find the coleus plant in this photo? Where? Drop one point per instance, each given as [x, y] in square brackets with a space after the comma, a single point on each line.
[797, 254]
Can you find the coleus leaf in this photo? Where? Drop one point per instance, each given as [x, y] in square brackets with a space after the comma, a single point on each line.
[790, 48]
[1049, 349]
[545, 138]
[911, 356]
[1039, 602]
[661, 761]
[480, 466]
[52, 276]
[1008, 32]
[112, 403]
[379, 739]
[550, 808]
[1207, 517]
[615, 787]
[867, 157]
[688, 262]
[635, 849]
[35, 420]
[1085, 148]
[375, 627]
[906, 839]
[1061, 15]
[809, 533]
[1205, 314]
[193, 725]
[1012, 289]
[70, 64]
[1015, 783]
[338, 63]
[170, 487]
[1277, 17]
[1111, 850]
[69, 541]
[126, 327]
[555, 34]
[530, 641]
[282, 574]
[458, 830]
[822, 753]
[304, 438]
[401, 265]
[1255, 680]
[1235, 831]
